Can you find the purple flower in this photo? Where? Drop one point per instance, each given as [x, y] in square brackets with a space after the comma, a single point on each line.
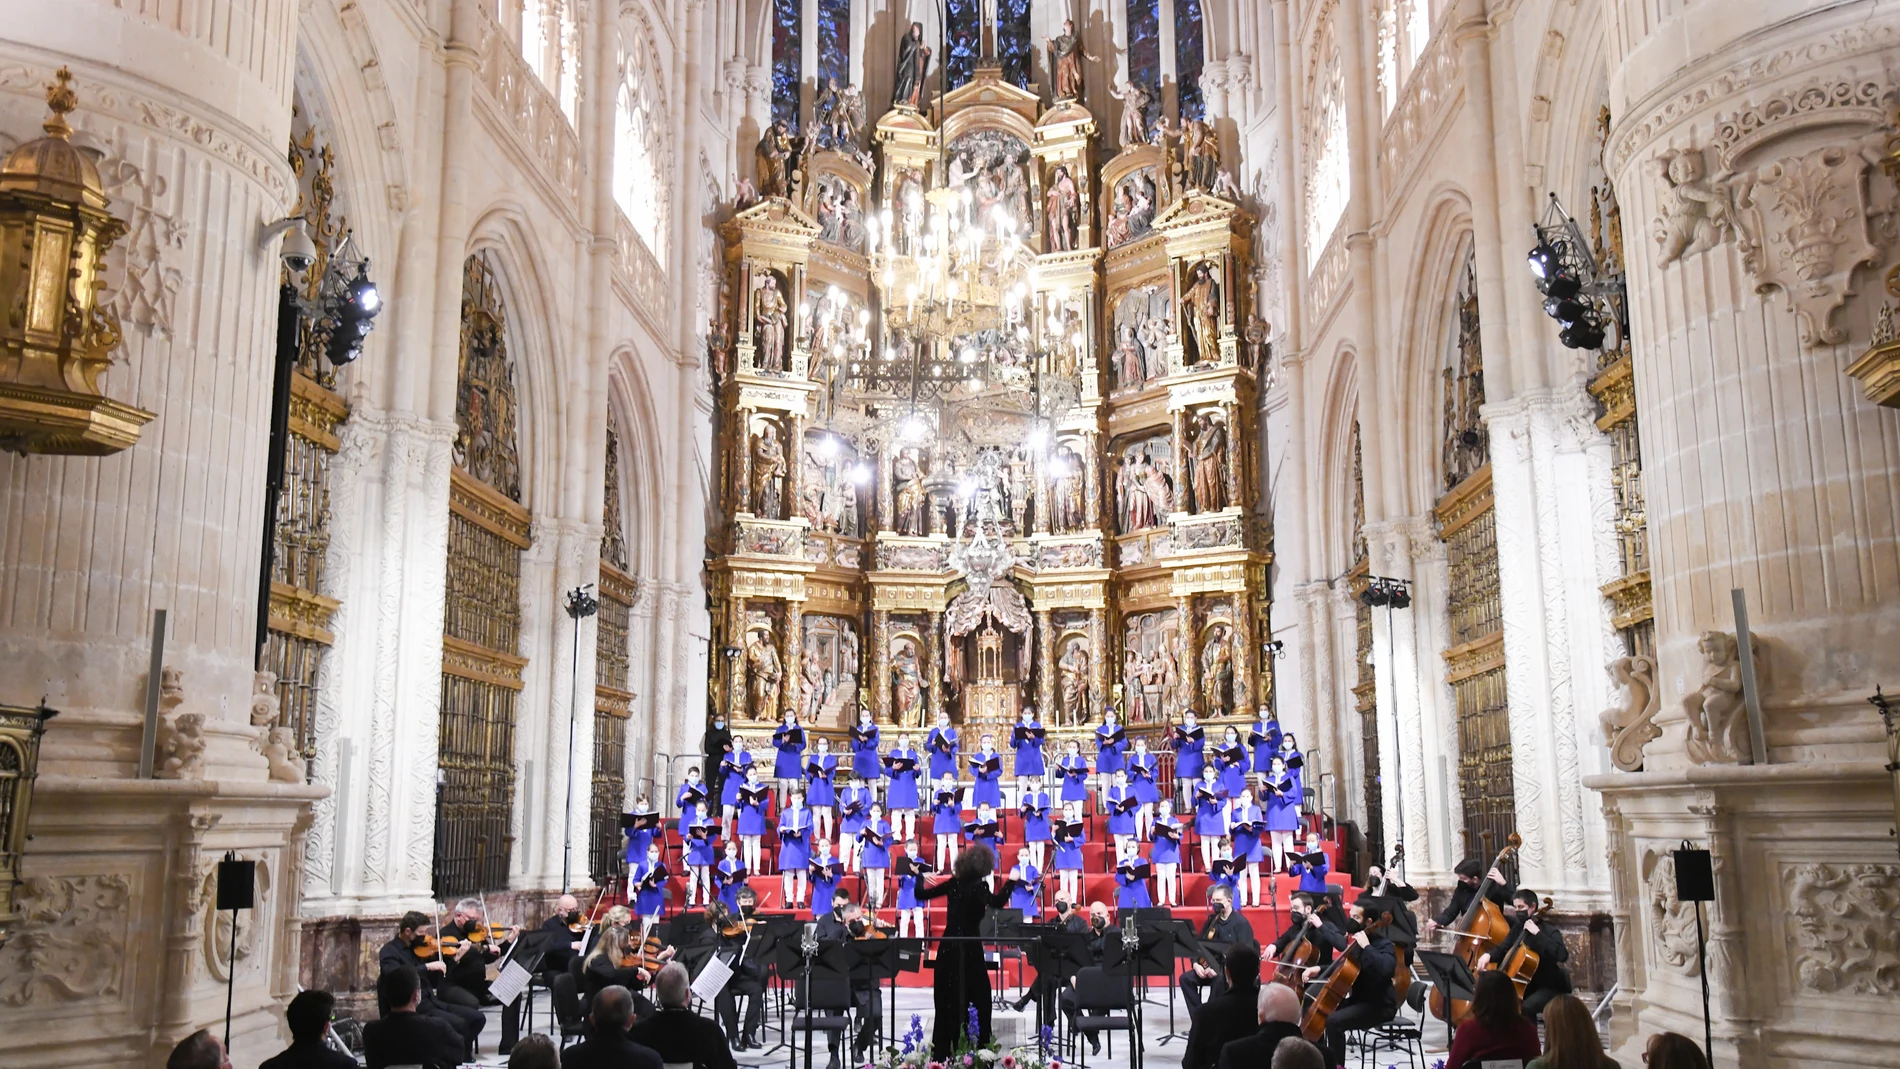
[1045, 1039]
[975, 1030]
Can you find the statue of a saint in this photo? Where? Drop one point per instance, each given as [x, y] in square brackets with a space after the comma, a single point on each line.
[1065, 58]
[1135, 99]
[838, 113]
[1062, 210]
[764, 673]
[773, 155]
[1067, 491]
[913, 62]
[770, 318]
[768, 475]
[1200, 306]
[910, 504]
[1210, 465]
[907, 685]
[1200, 155]
[1073, 679]
[1217, 671]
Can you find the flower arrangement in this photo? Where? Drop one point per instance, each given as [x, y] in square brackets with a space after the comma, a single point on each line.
[913, 1052]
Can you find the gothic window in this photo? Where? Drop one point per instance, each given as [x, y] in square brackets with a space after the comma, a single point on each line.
[1404, 26]
[1189, 56]
[550, 42]
[1329, 170]
[640, 153]
[788, 60]
[481, 626]
[834, 42]
[965, 41]
[1144, 44]
[1014, 45]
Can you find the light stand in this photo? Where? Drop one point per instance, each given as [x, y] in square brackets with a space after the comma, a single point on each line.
[580, 605]
[1392, 594]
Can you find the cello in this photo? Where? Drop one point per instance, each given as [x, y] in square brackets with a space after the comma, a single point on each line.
[1522, 962]
[1290, 968]
[1402, 976]
[1338, 984]
[1479, 928]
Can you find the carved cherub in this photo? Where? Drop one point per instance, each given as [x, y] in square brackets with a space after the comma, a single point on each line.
[1627, 726]
[281, 751]
[184, 748]
[1225, 187]
[264, 704]
[1693, 215]
[1718, 726]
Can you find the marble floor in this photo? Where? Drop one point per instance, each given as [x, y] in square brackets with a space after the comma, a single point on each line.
[1161, 1050]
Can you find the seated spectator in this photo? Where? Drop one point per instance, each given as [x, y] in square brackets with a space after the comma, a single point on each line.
[676, 1033]
[1297, 1053]
[1497, 1029]
[403, 1036]
[1231, 1015]
[1278, 1011]
[1571, 1040]
[1672, 1050]
[309, 1016]
[199, 1050]
[607, 1045]
[535, 1051]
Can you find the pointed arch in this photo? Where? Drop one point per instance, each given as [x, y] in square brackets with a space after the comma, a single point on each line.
[643, 139]
[522, 274]
[1340, 415]
[1445, 241]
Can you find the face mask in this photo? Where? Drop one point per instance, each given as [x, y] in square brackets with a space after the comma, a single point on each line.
[573, 916]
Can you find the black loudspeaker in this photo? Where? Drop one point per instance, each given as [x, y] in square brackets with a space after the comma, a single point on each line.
[237, 883]
[1695, 875]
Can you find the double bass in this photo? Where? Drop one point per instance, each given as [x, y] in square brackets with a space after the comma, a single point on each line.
[1522, 962]
[1338, 984]
[1480, 928]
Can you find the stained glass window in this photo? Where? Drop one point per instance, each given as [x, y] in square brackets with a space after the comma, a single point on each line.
[788, 60]
[1189, 56]
[1144, 45]
[1014, 46]
[966, 41]
[834, 42]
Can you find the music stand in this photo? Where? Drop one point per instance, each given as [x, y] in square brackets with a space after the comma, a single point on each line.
[999, 923]
[1452, 977]
[1116, 956]
[1189, 946]
[875, 960]
[1156, 920]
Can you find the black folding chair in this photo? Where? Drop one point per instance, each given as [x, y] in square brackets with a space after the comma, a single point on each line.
[1105, 1003]
[823, 1004]
[566, 997]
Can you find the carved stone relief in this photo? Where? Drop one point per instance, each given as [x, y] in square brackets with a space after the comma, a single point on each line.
[1841, 925]
[1718, 722]
[1629, 725]
[142, 285]
[1672, 922]
[55, 953]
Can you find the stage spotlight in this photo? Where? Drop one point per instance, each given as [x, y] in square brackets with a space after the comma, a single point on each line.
[1564, 310]
[1545, 261]
[1582, 334]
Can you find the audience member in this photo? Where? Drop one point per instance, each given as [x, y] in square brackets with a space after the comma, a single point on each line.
[535, 1051]
[1571, 1040]
[1231, 1015]
[1497, 1029]
[676, 1033]
[1297, 1053]
[309, 1015]
[199, 1050]
[1672, 1050]
[404, 1036]
[607, 1045]
[1278, 1011]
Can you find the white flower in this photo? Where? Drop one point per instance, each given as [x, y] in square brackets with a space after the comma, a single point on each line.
[986, 1055]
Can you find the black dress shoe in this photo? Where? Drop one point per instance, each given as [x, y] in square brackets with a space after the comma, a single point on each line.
[1095, 1043]
[1021, 1003]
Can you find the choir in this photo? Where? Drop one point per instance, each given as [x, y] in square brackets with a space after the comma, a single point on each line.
[1239, 796]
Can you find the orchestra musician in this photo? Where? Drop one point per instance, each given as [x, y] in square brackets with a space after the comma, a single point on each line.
[465, 983]
[730, 930]
[845, 923]
[1372, 1001]
[1550, 979]
[1471, 873]
[1305, 914]
[615, 959]
[401, 952]
[1098, 932]
[1224, 924]
[1395, 890]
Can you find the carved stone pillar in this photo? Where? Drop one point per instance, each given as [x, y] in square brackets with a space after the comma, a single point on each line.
[1181, 479]
[880, 665]
[735, 670]
[933, 664]
[1045, 664]
[742, 434]
[1043, 513]
[1190, 666]
[794, 466]
[1100, 657]
[791, 656]
[886, 466]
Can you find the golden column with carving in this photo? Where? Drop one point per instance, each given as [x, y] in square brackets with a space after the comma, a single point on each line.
[1181, 461]
[1244, 692]
[1092, 480]
[881, 665]
[790, 689]
[743, 492]
[1100, 657]
[735, 668]
[1045, 664]
[933, 661]
[1236, 456]
[794, 466]
[1190, 666]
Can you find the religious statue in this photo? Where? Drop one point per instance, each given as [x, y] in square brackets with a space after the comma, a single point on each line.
[908, 490]
[1200, 155]
[839, 115]
[1225, 187]
[1627, 725]
[813, 677]
[1160, 491]
[764, 673]
[1130, 372]
[770, 317]
[1200, 307]
[910, 208]
[913, 62]
[1066, 491]
[1062, 211]
[773, 156]
[1254, 345]
[1073, 683]
[1135, 99]
[1065, 59]
[1217, 669]
[768, 475]
[1692, 216]
[719, 343]
[1718, 720]
[1139, 509]
[907, 685]
[1210, 465]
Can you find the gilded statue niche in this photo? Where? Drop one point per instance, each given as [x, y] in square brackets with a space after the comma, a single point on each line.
[1140, 324]
[829, 671]
[1152, 677]
[1144, 482]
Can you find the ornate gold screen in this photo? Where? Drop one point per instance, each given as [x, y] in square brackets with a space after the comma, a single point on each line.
[481, 629]
[1365, 690]
[612, 698]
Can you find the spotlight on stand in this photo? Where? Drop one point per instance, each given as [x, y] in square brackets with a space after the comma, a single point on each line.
[1583, 300]
[1381, 592]
[351, 315]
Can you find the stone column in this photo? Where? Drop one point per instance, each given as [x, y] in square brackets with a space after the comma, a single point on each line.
[742, 442]
[1181, 480]
[735, 671]
[1045, 665]
[880, 666]
[794, 649]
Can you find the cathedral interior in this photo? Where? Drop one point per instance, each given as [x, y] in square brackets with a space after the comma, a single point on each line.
[1500, 396]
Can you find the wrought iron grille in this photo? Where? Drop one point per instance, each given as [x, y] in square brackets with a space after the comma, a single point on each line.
[1365, 689]
[475, 795]
[1484, 762]
[303, 514]
[1475, 604]
[296, 660]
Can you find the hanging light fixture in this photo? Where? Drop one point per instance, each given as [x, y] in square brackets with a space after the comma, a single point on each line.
[54, 233]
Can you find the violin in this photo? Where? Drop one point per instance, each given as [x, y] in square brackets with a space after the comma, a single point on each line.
[1479, 929]
[647, 953]
[1338, 984]
[428, 948]
[1522, 962]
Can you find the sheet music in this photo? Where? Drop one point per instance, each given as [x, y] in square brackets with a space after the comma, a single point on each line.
[508, 986]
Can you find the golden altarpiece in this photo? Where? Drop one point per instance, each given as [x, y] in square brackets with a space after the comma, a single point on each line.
[986, 428]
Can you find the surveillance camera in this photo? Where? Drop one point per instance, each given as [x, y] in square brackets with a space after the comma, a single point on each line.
[298, 252]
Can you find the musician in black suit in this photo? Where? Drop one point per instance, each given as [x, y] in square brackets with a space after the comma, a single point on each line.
[1228, 1016]
[1471, 875]
[1401, 894]
[676, 1033]
[1550, 979]
[748, 979]
[557, 953]
[1097, 928]
[1070, 922]
[1305, 914]
[405, 1036]
[400, 953]
[1224, 924]
[1372, 1000]
[843, 924]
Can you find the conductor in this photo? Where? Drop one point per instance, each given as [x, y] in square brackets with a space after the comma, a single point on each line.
[962, 982]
